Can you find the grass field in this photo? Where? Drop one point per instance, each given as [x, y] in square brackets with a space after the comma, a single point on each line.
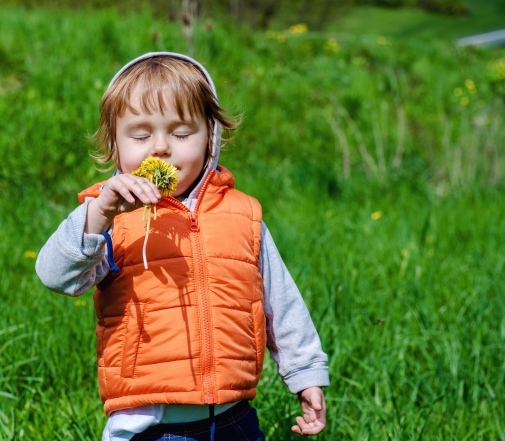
[484, 16]
[379, 163]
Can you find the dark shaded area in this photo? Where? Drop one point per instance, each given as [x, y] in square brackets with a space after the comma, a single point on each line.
[256, 13]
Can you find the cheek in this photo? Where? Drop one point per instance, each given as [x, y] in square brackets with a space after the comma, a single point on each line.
[129, 158]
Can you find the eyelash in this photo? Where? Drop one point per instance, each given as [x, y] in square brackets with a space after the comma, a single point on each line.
[142, 139]
[145, 138]
[181, 137]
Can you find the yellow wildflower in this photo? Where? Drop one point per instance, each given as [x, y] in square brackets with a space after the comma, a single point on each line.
[300, 28]
[470, 85]
[279, 36]
[30, 254]
[498, 68]
[376, 215]
[331, 46]
[383, 41]
[458, 91]
[161, 173]
[464, 101]
[80, 302]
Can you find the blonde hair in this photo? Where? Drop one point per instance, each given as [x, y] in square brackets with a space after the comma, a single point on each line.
[191, 96]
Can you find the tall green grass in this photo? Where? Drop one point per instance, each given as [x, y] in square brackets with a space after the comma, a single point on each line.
[484, 16]
[380, 169]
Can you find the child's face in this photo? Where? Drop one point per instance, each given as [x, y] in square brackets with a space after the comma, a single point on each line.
[165, 136]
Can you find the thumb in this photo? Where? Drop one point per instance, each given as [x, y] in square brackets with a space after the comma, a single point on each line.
[315, 401]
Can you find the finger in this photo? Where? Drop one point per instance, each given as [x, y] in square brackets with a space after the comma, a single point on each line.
[296, 429]
[314, 430]
[145, 190]
[303, 428]
[315, 401]
[140, 188]
[122, 190]
[300, 425]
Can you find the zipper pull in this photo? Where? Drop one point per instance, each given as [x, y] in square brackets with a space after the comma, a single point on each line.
[194, 223]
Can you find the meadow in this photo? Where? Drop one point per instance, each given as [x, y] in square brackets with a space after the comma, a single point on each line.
[379, 164]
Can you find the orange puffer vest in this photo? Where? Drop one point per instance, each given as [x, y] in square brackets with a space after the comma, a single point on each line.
[191, 328]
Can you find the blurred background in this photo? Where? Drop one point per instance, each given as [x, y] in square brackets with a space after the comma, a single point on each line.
[372, 135]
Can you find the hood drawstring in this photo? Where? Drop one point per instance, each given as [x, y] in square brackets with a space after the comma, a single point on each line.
[212, 422]
[110, 253]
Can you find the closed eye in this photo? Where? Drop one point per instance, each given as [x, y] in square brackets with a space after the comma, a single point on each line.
[181, 137]
[141, 138]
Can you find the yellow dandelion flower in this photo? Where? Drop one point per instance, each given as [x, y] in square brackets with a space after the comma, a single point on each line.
[464, 101]
[279, 36]
[165, 177]
[376, 215]
[331, 46]
[300, 28]
[498, 68]
[458, 91]
[80, 302]
[161, 173]
[383, 41]
[470, 85]
[30, 254]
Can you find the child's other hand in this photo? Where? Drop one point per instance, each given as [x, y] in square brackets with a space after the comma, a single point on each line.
[313, 420]
[121, 193]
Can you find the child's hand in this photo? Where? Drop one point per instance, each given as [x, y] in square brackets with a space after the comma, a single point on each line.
[121, 193]
[313, 420]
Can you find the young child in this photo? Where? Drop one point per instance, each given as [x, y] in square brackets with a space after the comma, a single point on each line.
[180, 345]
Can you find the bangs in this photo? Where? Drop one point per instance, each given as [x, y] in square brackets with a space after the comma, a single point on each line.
[161, 87]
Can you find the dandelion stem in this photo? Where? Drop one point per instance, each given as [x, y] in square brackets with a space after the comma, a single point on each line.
[164, 176]
[147, 208]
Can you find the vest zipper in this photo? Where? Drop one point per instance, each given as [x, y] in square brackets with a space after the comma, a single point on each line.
[194, 222]
[205, 315]
[209, 395]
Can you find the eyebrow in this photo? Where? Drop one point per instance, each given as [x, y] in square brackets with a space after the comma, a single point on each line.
[137, 125]
[172, 125]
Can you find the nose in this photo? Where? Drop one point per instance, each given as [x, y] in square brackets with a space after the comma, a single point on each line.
[161, 146]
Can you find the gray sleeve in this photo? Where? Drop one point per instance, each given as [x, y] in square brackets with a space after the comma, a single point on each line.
[71, 261]
[292, 338]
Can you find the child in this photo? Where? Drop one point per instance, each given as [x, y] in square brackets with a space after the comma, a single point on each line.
[180, 345]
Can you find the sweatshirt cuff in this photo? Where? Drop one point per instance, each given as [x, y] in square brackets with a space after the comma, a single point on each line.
[91, 244]
[311, 377]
